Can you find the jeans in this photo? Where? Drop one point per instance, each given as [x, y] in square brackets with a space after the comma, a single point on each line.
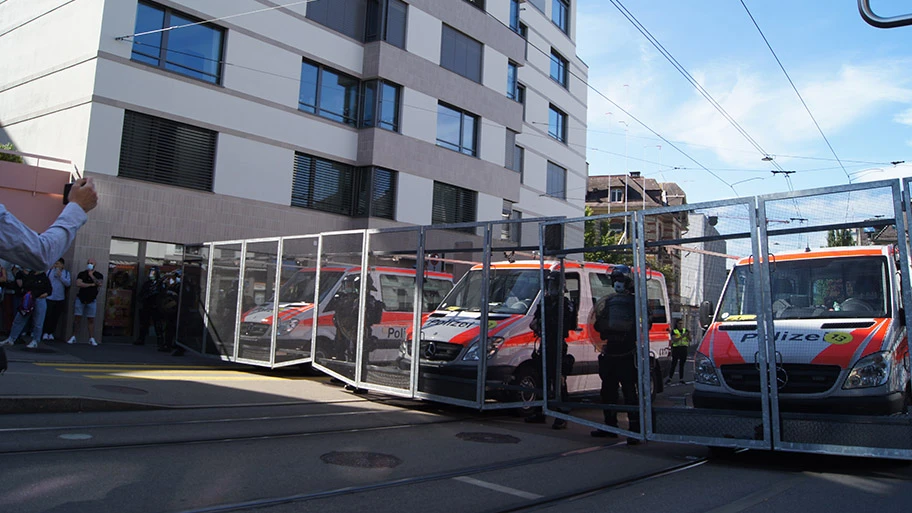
[37, 317]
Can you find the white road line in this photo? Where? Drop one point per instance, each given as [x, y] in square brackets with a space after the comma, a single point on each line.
[498, 488]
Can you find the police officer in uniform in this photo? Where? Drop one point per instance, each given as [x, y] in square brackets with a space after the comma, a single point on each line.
[615, 321]
[554, 339]
[149, 309]
[345, 318]
[680, 341]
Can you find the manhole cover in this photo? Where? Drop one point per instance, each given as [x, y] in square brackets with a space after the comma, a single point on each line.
[488, 438]
[361, 459]
[117, 389]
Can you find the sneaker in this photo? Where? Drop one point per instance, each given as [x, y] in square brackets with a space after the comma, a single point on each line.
[598, 433]
[668, 381]
[44, 336]
[33, 344]
[72, 340]
[559, 424]
[7, 342]
[93, 342]
[50, 337]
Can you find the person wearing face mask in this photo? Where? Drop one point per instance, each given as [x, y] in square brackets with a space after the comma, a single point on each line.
[87, 281]
[615, 322]
[149, 312]
[60, 280]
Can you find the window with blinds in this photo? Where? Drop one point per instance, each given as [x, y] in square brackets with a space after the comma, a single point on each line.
[322, 184]
[453, 205]
[557, 181]
[167, 152]
[377, 193]
[460, 54]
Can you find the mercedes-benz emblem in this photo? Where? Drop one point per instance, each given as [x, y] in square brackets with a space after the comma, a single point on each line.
[782, 377]
[431, 350]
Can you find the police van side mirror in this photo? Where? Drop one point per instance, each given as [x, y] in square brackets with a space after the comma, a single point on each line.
[706, 314]
[902, 316]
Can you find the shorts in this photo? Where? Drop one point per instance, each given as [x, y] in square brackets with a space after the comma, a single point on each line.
[84, 310]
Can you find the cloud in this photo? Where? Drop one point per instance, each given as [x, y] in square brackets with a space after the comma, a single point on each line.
[904, 117]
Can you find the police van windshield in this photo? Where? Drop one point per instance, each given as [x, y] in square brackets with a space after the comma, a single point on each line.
[300, 288]
[813, 288]
[511, 291]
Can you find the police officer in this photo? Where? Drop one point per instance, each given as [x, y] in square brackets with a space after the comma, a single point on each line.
[680, 341]
[615, 321]
[554, 339]
[149, 309]
[346, 304]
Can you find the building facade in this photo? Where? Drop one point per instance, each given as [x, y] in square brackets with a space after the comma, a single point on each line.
[206, 120]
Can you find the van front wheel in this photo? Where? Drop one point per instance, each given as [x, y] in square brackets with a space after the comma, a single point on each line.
[530, 380]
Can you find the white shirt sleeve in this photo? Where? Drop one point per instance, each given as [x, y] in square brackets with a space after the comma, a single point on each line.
[21, 245]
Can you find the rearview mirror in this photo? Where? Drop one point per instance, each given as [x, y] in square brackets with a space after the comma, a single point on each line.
[706, 314]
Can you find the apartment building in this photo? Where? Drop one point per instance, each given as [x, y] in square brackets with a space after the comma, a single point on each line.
[216, 120]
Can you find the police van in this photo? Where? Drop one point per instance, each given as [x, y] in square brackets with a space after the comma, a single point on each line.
[840, 335]
[449, 341]
[393, 286]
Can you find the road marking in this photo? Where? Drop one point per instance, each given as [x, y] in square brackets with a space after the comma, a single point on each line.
[166, 372]
[498, 488]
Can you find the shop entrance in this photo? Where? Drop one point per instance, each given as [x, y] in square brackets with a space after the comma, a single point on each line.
[129, 263]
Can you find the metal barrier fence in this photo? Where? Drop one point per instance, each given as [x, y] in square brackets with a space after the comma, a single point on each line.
[793, 344]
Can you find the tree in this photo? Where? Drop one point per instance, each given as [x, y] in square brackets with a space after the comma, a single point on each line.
[6, 156]
[599, 233]
[843, 237]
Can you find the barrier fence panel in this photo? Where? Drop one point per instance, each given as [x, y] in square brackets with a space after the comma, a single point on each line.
[512, 365]
[293, 314]
[224, 300]
[591, 254]
[837, 337]
[192, 308]
[390, 308]
[255, 339]
[702, 354]
[340, 323]
[448, 340]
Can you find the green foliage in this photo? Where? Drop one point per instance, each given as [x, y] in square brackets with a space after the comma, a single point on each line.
[6, 156]
[844, 237]
[599, 233]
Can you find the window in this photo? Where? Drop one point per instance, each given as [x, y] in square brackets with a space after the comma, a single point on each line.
[328, 93]
[559, 66]
[453, 205]
[194, 51]
[557, 181]
[167, 152]
[381, 105]
[345, 16]
[460, 54]
[521, 97]
[518, 159]
[322, 184]
[386, 21]
[616, 195]
[512, 85]
[376, 193]
[560, 14]
[557, 124]
[477, 3]
[457, 130]
[524, 33]
[510, 231]
[514, 15]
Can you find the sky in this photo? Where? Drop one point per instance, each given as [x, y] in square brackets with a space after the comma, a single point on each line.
[855, 79]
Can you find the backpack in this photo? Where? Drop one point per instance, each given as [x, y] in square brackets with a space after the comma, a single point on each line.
[27, 306]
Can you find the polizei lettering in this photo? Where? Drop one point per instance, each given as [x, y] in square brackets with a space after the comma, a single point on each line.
[785, 336]
[450, 323]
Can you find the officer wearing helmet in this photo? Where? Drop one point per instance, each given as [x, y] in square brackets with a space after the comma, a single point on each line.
[345, 318]
[552, 337]
[615, 322]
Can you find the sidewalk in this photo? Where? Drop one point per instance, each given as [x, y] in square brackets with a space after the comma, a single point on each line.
[58, 377]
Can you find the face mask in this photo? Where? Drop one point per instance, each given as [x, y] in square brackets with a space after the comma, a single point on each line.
[151, 276]
[90, 266]
[619, 286]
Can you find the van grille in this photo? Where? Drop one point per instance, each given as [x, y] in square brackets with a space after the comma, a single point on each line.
[442, 351]
[801, 378]
[254, 329]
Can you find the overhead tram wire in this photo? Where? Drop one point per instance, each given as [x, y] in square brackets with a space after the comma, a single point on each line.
[26, 22]
[794, 88]
[612, 102]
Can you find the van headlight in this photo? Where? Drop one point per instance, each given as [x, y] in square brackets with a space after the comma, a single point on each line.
[494, 344]
[704, 370]
[871, 371]
[286, 327]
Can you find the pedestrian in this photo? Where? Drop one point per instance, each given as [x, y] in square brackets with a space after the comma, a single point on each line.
[88, 282]
[680, 341]
[60, 280]
[4, 284]
[555, 335]
[149, 309]
[20, 244]
[36, 287]
[615, 322]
